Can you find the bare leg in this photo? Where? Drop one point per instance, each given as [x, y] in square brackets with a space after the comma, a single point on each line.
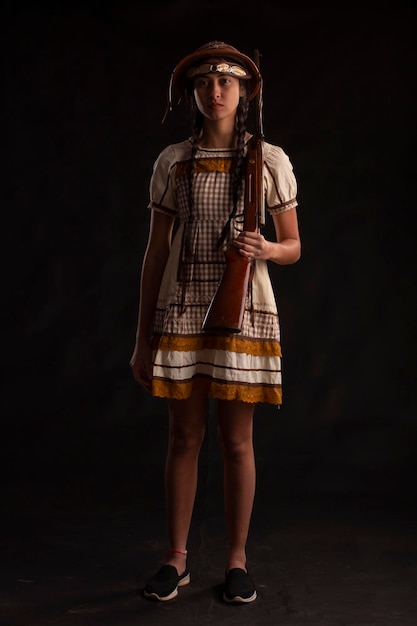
[186, 434]
[235, 429]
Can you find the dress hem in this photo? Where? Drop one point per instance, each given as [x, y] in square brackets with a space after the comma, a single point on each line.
[252, 394]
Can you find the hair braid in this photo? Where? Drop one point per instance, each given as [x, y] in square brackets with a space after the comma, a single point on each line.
[195, 137]
[236, 178]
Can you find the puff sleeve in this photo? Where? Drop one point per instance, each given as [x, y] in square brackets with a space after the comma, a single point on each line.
[162, 192]
[279, 179]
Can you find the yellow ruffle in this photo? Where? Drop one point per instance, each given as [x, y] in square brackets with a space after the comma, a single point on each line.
[233, 343]
[205, 165]
[222, 391]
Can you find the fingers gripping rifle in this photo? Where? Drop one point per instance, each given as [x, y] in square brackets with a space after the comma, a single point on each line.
[227, 307]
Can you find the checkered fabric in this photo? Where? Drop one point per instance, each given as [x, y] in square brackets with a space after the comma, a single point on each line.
[246, 366]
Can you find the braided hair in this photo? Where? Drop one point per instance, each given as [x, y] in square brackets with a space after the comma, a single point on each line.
[237, 173]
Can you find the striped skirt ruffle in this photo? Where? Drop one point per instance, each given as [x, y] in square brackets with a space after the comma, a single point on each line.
[223, 367]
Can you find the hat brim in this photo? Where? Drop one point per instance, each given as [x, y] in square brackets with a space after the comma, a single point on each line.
[179, 78]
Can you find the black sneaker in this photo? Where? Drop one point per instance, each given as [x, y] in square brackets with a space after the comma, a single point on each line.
[164, 585]
[239, 586]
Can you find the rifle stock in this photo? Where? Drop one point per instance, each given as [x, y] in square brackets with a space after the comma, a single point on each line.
[227, 307]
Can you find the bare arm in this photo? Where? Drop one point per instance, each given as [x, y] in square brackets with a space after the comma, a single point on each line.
[153, 266]
[284, 251]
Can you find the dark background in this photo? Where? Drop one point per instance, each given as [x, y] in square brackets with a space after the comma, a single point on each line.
[85, 92]
[82, 446]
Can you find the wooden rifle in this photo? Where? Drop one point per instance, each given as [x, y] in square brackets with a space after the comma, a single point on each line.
[226, 310]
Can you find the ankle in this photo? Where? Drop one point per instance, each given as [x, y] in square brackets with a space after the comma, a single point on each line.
[177, 558]
[177, 551]
[236, 561]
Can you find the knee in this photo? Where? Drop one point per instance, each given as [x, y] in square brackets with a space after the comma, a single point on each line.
[185, 442]
[236, 448]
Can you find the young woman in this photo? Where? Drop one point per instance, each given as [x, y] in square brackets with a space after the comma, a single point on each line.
[200, 183]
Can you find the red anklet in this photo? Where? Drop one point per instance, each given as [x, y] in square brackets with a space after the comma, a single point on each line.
[170, 550]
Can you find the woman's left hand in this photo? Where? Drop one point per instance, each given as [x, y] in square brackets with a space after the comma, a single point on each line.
[253, 245]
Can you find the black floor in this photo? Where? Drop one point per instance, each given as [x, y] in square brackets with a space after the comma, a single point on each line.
[321, 561]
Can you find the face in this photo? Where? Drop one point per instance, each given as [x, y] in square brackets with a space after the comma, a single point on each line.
[217, 95]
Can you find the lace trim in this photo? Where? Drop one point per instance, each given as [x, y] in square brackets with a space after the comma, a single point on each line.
[256, 347]
[222, 391]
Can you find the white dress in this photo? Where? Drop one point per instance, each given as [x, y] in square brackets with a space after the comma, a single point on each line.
[244, 366]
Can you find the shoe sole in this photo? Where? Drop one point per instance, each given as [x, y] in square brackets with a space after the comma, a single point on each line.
[239, 599]
[184, 581]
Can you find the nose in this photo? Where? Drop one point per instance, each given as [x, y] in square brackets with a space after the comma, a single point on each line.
[215, 91]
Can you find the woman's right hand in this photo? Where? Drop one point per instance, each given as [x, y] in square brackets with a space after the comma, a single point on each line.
[141, 364]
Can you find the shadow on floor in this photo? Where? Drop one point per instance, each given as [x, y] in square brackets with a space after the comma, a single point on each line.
[333, 561]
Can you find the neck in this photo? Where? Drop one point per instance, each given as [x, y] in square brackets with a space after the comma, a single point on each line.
[218, 136]
[218, 142]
